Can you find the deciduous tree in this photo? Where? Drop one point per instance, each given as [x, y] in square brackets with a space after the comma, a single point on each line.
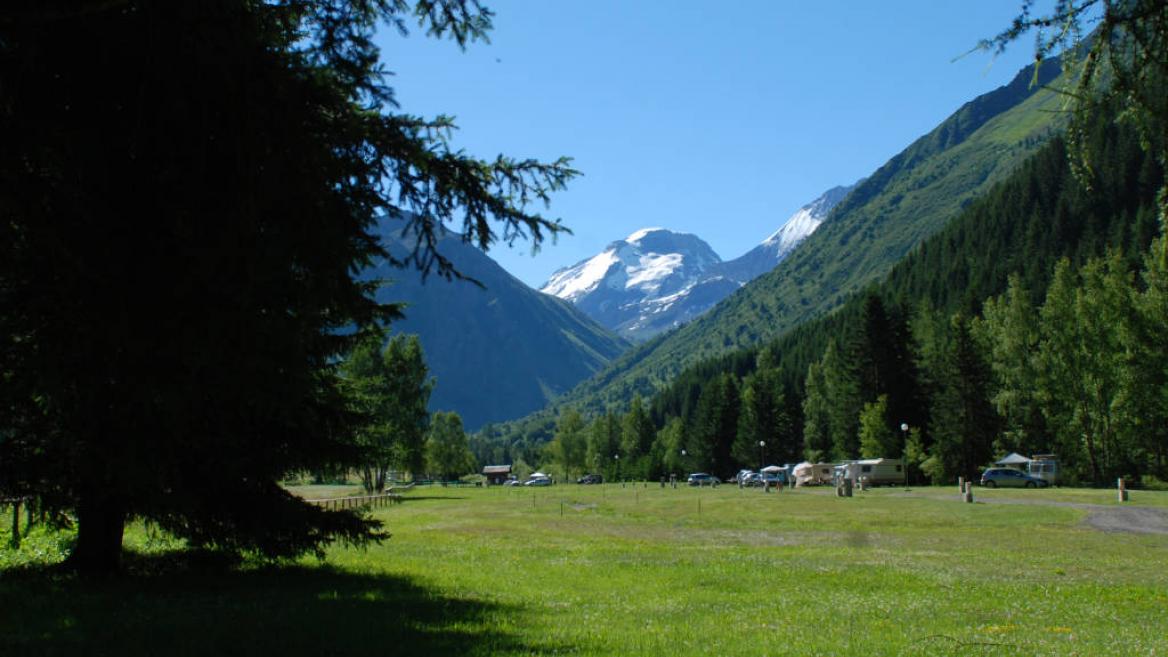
[391, 388]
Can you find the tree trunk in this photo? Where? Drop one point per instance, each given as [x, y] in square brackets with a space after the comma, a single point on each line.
[16, 524]
[100, 523]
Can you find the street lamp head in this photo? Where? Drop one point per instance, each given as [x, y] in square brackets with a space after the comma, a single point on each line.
[762, 443]
[904, 426]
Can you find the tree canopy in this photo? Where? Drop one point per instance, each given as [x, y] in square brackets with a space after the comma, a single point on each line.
[187, 192]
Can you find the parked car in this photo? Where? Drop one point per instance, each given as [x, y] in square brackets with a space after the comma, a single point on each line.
[512, 482]
[702, 479]
[538, 481]
[752, 479]
[590, 479]
[772, 479]
[1010, 478]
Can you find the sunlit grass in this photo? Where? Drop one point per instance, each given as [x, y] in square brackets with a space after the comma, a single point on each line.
[626, 571]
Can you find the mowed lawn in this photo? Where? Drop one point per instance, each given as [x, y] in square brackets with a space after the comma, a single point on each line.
[575, 570]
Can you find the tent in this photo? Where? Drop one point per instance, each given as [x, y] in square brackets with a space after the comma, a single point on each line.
[773, 468]
[1014, 460]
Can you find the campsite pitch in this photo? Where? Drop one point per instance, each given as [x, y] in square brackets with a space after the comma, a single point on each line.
[606, 570]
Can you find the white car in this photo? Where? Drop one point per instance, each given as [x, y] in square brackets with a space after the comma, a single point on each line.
[538, 481]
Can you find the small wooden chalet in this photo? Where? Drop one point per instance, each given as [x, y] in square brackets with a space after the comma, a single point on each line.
[497, 474]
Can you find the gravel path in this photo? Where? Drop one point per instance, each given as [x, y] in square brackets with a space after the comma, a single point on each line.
[1124, 519]
[1128, 519]
[1131, 519]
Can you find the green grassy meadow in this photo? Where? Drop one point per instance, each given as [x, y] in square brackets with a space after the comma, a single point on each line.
[574, 570]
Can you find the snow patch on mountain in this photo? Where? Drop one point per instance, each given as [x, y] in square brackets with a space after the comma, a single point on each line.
[656, 279]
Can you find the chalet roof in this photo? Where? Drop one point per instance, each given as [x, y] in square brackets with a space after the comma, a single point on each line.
[496, 469]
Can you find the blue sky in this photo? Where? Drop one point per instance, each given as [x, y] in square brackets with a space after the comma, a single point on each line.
[714, 118]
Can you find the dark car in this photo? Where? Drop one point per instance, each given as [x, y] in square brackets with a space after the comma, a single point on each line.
[1010, 478]
[702, 479]
[590, 479]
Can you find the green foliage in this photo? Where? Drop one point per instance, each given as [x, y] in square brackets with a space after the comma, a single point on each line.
[963, 423]
[763, 418]
[604, 445]
[1115, 53]
[391, 388]
[570, 446]
[877, 437]
[1008, 333]
[637, 435]
[669, 443]
[816, 416]
[447, 451]
[715, 426]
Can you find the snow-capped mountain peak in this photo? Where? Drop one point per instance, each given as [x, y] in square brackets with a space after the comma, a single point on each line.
[656, 278]
[805, 220]
[649, 264]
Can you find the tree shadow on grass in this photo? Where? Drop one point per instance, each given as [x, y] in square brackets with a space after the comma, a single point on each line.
[288, 611]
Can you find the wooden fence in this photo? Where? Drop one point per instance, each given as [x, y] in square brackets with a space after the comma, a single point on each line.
[358, 501]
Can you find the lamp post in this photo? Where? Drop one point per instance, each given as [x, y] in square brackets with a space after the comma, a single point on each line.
[616, 459]
[904, 452]
[761, 455]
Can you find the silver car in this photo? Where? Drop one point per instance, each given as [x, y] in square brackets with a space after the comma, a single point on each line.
[1010, 478]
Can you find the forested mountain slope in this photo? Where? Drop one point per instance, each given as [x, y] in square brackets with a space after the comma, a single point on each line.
[498, 351]
[906, 200]
[1019, 230]
[1022, 227]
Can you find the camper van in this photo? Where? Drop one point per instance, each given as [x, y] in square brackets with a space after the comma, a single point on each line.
[810, 474]
[1043, 466]
[874, 472]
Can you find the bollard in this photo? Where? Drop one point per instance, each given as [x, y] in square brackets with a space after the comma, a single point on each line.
[847, 487]
[1123, 497]
[961, 485]
[968, 496]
